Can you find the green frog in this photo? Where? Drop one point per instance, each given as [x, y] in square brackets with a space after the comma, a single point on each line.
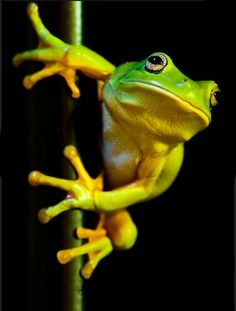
[149, 110]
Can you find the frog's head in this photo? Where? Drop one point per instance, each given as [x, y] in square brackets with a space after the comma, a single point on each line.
[155, 94]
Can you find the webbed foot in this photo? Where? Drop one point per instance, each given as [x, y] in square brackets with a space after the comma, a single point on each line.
[51, 51]
[99, 246]
[60, 58]
[114, 231]
[80, 191]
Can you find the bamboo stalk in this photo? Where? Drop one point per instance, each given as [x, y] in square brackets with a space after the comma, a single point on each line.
[71, 23]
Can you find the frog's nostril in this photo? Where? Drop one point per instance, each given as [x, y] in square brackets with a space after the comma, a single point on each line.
[182, 82]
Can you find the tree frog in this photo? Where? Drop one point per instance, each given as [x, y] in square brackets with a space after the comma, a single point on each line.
[149, 110]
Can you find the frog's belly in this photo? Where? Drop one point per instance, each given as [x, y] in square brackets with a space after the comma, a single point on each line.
[120, 154]
[120, 169]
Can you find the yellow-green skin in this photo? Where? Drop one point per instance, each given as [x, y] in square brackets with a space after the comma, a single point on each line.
[147, 117]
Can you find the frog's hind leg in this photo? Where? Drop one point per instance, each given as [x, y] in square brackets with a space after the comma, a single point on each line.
[98, 247]
[114, 230]
[121, 229]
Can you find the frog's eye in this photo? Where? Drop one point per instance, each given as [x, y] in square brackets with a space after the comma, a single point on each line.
[155, 63]
[215, 96]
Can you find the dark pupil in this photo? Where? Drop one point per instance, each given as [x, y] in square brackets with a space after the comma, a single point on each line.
[156, 60]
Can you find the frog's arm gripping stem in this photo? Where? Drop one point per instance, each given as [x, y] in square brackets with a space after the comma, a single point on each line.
[64, 59]
[61, 58]
[114, 229]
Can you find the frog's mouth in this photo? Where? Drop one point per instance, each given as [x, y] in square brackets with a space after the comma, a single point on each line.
[184, 104]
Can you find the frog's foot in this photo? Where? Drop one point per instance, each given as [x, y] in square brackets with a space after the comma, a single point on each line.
[98, 247]
[53, 61]
[61, 58]
[80, 191]
[115, 230]
[51, 51]
[50, 69]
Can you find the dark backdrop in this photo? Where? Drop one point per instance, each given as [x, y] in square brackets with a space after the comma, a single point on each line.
[183, 258]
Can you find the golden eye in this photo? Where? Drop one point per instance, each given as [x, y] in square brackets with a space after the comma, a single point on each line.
[155, 63]
[215, 96]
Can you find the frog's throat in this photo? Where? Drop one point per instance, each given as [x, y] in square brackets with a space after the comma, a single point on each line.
[185, 105]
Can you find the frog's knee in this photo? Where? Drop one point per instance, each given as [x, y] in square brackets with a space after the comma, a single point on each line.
[125, 237]
[121, 230]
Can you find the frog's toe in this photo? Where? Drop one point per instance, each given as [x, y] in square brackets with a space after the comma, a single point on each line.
[32, 8]
[95, 258]
[16, 60]
[46, 214]
[84, 233]
[43, 216]
[64, 256]
[28, 82]
[95, 249]
[70, 76]
[87, 270]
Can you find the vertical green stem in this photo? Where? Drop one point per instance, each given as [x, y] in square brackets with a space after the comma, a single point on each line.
[71, 22]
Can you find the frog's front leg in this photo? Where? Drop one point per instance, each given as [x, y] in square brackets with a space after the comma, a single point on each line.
[115, 229]
[61, 58]
[87, 193]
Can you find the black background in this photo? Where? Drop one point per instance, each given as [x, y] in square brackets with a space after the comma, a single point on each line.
[183, 258]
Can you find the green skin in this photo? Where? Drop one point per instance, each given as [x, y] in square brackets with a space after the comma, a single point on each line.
[150, 109]
[151, 114]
